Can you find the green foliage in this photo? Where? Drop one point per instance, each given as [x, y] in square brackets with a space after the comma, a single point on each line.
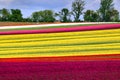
[16, 15]
[77, 8]
[91, 16]
[105, 8]
[35, 17]
[11, 15]
[107, 11]
[48, 16]
[27, 20]
[43, 16]
[64, 15]
[4, 14]
[114, 15]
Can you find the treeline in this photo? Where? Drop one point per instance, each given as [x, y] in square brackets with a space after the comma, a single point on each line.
[14, 15]
[106, 13]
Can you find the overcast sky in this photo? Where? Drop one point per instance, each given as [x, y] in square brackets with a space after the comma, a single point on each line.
[29, 6]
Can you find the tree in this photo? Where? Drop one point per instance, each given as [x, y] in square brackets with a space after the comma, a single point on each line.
[35, 17]
[0, 15]
[27, 20]
[4, 14]
[91, 16]
[114, 15]
[64, 15]
[77, 8]
[48, 16]
[16, 15]
[43, 16]
[106, 6]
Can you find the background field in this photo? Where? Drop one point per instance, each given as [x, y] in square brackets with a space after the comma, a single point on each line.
[17, 25]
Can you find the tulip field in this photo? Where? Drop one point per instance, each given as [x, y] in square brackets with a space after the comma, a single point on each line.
[74, 53]
[61, 44]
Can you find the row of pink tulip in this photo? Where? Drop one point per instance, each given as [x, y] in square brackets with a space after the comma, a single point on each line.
[56, 30]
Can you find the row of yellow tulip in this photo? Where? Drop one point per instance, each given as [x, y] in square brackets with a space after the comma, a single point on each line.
[60, 44]
[67, 48]
[35, 53]
[57, 38]
[63, 46]
[85, 33]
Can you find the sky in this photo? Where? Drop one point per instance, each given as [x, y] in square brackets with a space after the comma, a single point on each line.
[29, 6]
